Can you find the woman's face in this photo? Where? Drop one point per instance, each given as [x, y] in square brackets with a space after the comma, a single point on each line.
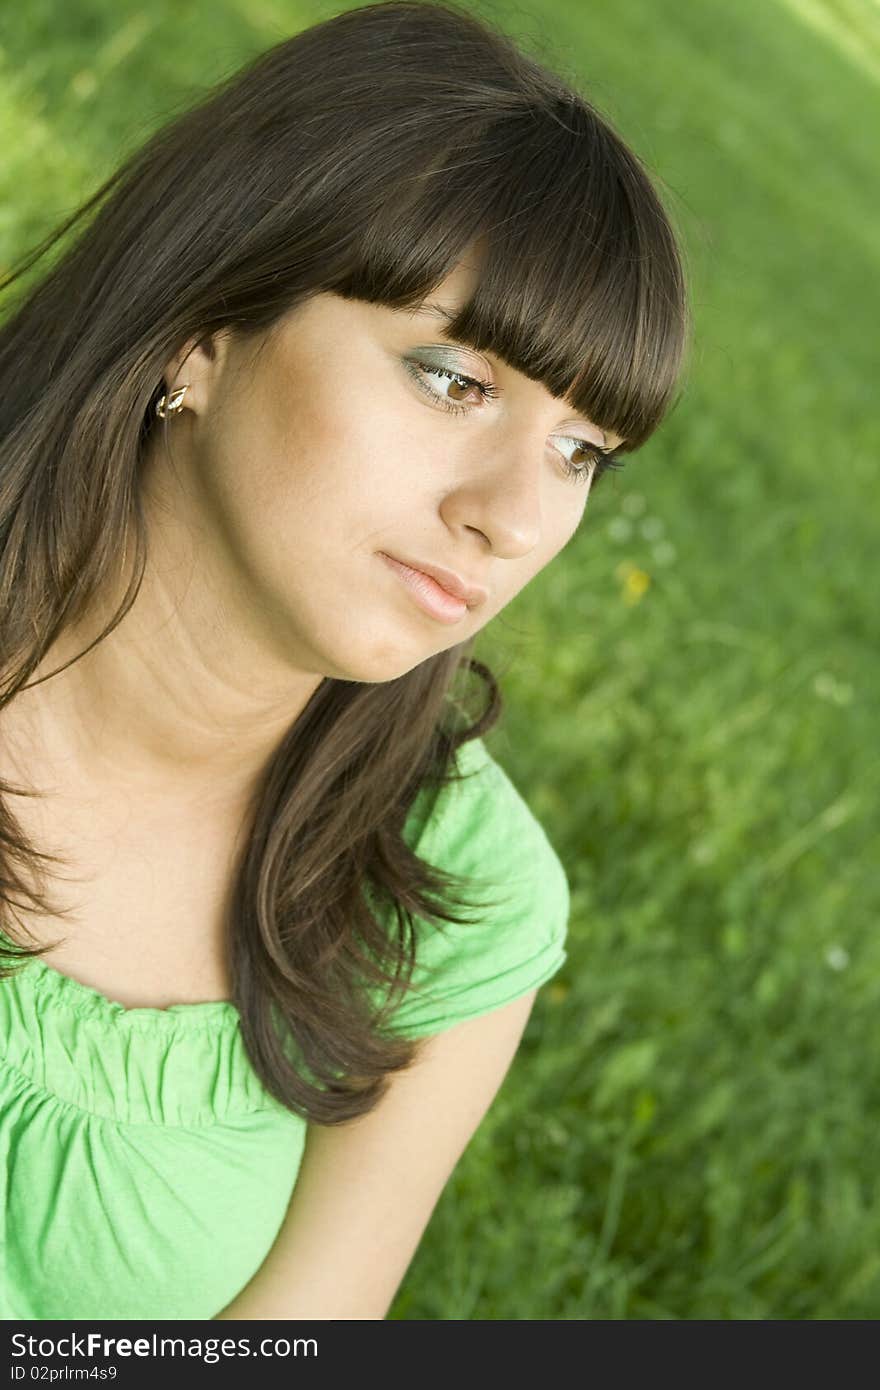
[351, 438]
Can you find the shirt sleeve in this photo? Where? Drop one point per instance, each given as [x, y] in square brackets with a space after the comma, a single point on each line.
[483, 828]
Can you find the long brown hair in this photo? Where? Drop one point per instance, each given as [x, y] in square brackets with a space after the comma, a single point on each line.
[363, 157]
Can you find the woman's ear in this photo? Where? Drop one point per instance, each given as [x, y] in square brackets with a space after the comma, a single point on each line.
[197, 365]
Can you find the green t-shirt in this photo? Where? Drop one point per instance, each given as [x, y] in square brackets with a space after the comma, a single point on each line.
[144, 1169]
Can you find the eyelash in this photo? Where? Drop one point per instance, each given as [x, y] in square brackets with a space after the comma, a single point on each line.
[600, 460]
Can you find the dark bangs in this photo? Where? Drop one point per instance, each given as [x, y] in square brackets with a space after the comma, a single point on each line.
[581, 285]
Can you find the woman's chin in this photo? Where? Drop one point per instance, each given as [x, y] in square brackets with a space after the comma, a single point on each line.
[376, 663]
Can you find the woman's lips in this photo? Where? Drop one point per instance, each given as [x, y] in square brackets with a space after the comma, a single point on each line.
[428, 594]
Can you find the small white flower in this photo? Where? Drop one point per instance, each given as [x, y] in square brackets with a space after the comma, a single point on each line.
[619, 529]
[827, 687]
[837, 957]
[633, 504]
[664, 552]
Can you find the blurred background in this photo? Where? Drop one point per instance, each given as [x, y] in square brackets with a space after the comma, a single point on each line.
[691, 689]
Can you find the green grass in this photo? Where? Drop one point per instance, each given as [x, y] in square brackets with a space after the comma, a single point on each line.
[692, 687]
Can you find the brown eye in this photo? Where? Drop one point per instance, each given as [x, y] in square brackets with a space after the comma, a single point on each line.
[457, 388]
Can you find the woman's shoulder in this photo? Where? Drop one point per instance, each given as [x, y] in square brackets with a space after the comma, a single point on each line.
[483, 812]
[482, 829]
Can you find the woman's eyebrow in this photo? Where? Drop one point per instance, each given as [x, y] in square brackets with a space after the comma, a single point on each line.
[437, 310]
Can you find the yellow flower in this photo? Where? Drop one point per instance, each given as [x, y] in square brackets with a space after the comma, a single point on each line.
[556, 991]
[635, 581]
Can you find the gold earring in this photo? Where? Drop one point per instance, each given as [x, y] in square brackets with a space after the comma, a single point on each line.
[171, 404]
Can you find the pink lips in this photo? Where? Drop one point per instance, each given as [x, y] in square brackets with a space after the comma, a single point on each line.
[432, 597]
[471, 594]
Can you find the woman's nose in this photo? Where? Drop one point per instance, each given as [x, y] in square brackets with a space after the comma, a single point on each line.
[500, 495]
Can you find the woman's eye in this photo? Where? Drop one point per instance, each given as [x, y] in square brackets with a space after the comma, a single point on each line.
[452, 390]
[581, 457]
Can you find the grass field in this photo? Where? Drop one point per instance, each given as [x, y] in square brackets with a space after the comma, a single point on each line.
[691, 689]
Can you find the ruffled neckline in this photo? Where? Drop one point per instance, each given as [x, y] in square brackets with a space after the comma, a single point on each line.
[182, 1066]
[89, 1002]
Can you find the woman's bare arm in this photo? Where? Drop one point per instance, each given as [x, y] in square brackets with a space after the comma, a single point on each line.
[366, 1189]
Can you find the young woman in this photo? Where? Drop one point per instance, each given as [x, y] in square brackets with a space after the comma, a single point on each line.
[323, 383]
